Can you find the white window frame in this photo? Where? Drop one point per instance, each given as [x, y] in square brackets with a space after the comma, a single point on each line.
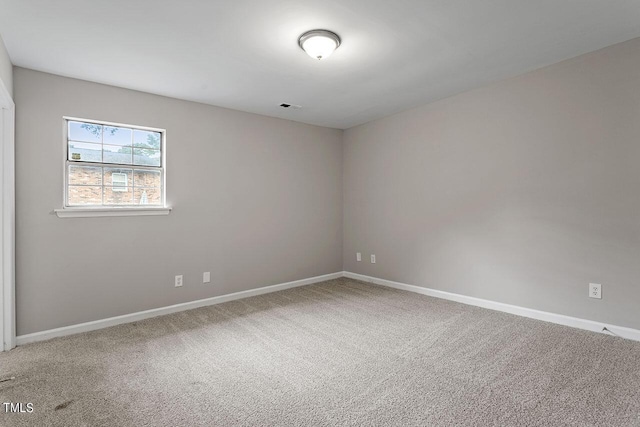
[122, 185]
[111, 210]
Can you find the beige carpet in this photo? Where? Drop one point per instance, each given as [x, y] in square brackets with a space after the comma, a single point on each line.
[336, 353]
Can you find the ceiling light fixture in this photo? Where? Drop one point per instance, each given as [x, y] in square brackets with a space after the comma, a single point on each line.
[319, 44]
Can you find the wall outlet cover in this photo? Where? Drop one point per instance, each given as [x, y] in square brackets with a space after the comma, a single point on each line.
[206, 277]
[595, 290]
[358, 256]
[178, 282]
[373, 259]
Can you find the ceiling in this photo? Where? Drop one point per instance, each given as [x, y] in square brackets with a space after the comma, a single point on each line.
[243, 54]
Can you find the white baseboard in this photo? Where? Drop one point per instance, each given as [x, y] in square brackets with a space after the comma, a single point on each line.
[574, 322]
[141, 315]
[589, 325]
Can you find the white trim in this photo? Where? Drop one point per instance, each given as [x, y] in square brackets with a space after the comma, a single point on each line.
[97, 212]
[114, 124]
[134, 317]
[7, 187]
[560, 319]
[574, 322]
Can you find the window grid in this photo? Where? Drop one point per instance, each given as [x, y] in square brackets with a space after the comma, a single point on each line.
[131, 169]
[104, 184]
[110, 166]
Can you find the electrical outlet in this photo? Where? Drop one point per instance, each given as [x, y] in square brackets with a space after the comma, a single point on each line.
[595, 290]
[358, 256]
[373, 259]
[178, 281]
[206, 277]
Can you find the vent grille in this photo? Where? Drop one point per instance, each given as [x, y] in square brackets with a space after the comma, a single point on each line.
[290, 106]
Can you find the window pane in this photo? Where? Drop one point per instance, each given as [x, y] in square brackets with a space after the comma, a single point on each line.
[146, 157]
[147, 196]
[118, 197]
[84, 152]
[109, 179]
[85, 175]
[146, 139]
[117, 186]
[119, 181]
[117, 154]
[145, 178]
[85, 132]
[84, 195]
[117, 136]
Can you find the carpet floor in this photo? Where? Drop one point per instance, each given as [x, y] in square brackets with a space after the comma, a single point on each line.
[340, 353]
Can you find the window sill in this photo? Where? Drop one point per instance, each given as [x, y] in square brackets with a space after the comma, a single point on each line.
[101, 212]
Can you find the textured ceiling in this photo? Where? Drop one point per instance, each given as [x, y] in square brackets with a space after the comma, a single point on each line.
[243, 54]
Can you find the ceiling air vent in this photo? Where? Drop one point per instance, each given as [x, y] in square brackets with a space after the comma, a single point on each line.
[291, 106]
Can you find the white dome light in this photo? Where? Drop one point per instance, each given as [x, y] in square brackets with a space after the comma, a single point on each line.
[319, 44]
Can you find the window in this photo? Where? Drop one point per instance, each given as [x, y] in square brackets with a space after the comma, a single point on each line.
[119, 182]
[113, 165]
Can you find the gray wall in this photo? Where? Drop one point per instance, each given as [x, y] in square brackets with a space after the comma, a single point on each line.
[257, 201]
[6, 69]
[522, 192]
